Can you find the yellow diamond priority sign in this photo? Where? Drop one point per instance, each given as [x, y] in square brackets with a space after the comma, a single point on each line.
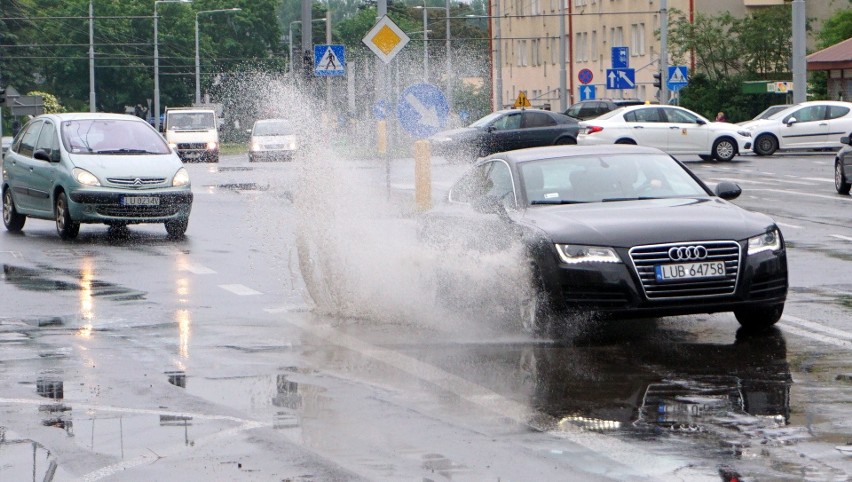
[385, 39]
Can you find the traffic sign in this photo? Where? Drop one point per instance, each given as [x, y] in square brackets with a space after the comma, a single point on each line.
[620, 79]
[678, 77]
[380, 109]
[385, 39]
[522, 100]
[329, 60]
[585, 76]
[620, 57]
[587, 92]
[422, 110]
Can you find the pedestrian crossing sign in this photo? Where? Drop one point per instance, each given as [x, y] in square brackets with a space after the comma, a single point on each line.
[329, 60]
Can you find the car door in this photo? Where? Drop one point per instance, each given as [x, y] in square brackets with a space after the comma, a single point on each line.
[20, 167]
[804, 128]
[505, 132]
[539, 129]
[687, 133]
[648, 127]
[43, 176]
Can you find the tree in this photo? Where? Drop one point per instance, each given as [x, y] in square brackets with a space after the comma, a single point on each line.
[836, 28]
[51, 103]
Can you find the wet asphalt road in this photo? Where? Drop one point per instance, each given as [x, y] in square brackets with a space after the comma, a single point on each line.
[129, 356]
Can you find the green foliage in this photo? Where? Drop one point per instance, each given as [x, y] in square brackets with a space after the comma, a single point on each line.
[51, 103]
[707, 97]
[837, 28]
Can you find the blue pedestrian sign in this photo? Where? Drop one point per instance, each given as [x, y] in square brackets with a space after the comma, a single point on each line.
[620, 79]
[587, 92]
[620, 57]
[422, 110]
[329, 60]
[678, 77]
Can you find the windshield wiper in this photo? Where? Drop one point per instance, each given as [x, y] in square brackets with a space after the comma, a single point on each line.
[556, 201]
[616, 199]
[125, 151]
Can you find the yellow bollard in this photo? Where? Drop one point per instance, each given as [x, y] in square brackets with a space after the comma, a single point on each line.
[382, 137]
[422, 176]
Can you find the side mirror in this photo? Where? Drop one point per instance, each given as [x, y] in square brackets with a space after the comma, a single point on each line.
[490, 205]
[791, 121]
[728, 190]
[700, 122]
[43, 155]
[844, 140]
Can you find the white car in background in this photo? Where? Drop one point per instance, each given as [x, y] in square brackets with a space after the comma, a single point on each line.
[809, 125]
[673, 129]
[272, 139]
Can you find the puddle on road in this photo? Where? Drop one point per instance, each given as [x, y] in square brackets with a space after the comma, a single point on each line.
[31, 279]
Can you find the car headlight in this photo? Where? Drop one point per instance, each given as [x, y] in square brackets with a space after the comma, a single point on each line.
[85, 177]
[172, 145]
[768, 241]
[255, 146]
[573, 254]
[440, 139]
[744, 133]
[211, 146]
[181, 178]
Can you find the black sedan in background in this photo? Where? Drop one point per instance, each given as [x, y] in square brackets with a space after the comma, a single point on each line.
[843, 167]
[623, 231]
[505, 130]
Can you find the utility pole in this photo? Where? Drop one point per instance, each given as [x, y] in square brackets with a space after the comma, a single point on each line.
[799, 61]
[92, 102]
[563, 91]
[498, 60]
[307, 33]
[664, 52]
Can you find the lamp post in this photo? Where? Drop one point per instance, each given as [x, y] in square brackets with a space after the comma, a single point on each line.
[290, 37]
[496, 62]
[426, 38]
[197, 58]
[157, 62]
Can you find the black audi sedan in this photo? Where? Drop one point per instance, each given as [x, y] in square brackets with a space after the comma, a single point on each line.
[505, 130]
[620, 231]
[843, 167]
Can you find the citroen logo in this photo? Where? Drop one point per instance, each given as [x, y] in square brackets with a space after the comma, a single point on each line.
[137, 182]
[687, 253]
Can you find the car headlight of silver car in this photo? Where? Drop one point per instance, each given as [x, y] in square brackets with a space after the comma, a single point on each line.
[744, 133]
[181, 178]
[84, 177]
[768, 241]
[574, 253]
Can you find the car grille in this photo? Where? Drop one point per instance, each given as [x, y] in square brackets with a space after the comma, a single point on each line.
[645, 258]
[136, 181]
[192, 145]
[138, 211]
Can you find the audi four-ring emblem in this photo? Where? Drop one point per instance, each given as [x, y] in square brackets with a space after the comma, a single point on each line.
[687, 253]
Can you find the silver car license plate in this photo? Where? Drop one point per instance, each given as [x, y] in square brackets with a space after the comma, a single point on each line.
[140, 201]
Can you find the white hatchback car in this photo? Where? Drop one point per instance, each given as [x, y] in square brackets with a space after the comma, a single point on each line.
[272, 139]
[809, 125]
[672, 129]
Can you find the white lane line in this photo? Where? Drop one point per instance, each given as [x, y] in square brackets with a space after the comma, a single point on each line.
[787, 181]
[15, 254]
[785, 225]
[241, 290]
[840, 236]
[817, 331]
[821, 196]
[815, 336]
[743, 181]
[819, 179]
[197, 269]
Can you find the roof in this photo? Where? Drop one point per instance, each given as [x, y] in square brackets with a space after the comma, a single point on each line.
[549, 152]
[838, 56]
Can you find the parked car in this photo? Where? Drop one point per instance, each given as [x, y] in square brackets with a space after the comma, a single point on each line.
[272, 139]
[617, 230]
[589, 109]
[94, 168]
[809, 125]
[7, 141]
[505, 130]
[672, 129]
[768, 112]
[843, 166]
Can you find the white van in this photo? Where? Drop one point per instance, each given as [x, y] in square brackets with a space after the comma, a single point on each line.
[193, 132]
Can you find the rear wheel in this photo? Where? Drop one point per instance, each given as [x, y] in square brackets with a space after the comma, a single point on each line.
[841, 183]
[626, 141]
[65, 226]
[759, 318]
[11, 218]
[565, 141]
[724, 149]
[765, 145]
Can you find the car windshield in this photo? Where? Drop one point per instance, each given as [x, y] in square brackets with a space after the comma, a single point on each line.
[606, 178]
[772, 112]
[111, 136]
[483, 122]
[275, 128]
[191, 121]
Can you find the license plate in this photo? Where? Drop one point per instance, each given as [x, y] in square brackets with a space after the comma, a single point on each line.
[680, 271]
[140, 201]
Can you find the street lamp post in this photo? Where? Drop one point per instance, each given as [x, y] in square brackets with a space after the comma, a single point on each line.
[290, 37]
[426, 39]
[197, 55]
[496, 61]
[157, 62]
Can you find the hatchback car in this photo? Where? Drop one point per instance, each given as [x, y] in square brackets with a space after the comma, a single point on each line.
[94, 168]
[672, 129]
[843, 166]
[505, 130]
[767, 113]
[809, 125]
[272, 139]
[627, 231]
[589, 109]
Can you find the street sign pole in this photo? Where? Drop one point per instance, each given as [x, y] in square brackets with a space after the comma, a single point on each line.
[664, 50]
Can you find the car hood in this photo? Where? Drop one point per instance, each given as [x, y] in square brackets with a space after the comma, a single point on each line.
[456, 134]
[754, 124]
[632, 223]
[148, 165]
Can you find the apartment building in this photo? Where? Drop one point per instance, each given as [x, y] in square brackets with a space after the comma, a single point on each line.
[526, 40]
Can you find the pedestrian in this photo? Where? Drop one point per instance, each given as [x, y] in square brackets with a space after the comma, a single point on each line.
[16, 127]
[720, 117]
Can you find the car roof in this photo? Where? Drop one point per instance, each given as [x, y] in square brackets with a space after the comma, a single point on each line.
[521, 156]
[65, 116]
[528, 109]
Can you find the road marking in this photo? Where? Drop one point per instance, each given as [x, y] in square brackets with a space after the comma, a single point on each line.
[241, 290]
[787, 181]
[808, 329]
[840, 236]
[745, 181]
[788, 225]
[15, 254]
[819, 179]
[197, 269]
[821, 196]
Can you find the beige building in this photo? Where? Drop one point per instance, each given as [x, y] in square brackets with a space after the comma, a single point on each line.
[528, 38]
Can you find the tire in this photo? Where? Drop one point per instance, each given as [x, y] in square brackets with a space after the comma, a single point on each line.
[759, 318]
[705, 157]
[176, 227]
[565, 141]
[765, 145]
[539, 314]
[841, 183]
[724, 149]
[66, 227]
[11, 218]
[626, 141]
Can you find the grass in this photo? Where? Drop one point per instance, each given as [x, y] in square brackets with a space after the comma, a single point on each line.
[228, 148]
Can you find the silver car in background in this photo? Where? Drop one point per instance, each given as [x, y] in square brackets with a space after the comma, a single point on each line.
[272, 139]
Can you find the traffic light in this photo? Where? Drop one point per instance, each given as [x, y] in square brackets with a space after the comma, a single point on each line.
[657, 80]
[2, 95]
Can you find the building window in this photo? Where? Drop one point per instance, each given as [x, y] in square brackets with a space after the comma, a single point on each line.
[535, 7]
[637, 36]
[535, 51]
[617, 36]
[594, 45]
[554, 50]
[523, 53]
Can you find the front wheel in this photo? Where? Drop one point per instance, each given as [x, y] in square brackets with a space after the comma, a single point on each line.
[65, 226]
[765, 145]
[724, 149]
[759, 318]
[11, 218]
[176, 227]
[840, 182]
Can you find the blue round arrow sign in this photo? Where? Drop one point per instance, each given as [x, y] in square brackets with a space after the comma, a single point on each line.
[422, 110]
